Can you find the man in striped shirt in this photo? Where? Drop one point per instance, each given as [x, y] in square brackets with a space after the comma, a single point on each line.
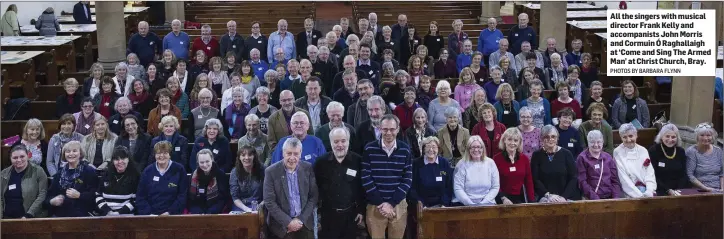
[387, 177]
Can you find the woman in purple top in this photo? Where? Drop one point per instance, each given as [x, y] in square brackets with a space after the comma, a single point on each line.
[465, 89]
[531, 134]
[445, 67]
[491, 87]
[597, 171]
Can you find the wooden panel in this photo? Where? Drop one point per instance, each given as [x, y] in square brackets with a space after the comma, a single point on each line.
[697, 216]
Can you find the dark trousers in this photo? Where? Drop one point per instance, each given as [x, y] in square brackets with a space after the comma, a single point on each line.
[338, 224]
[303, 233]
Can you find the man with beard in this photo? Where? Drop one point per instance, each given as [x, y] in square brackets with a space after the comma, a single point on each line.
[341, 195]
[312, 146]
[335, 112]
[357, 113]
[368, 130]
[324, 69]
[349, 64]
[280, 121]
[348, 95]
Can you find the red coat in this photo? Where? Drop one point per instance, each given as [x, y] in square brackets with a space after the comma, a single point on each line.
[211, 49]
[491, 148]
[514, 176]
[404, 113]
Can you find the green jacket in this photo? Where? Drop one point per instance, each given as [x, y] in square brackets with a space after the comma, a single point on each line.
[605, 129]
[34, 185]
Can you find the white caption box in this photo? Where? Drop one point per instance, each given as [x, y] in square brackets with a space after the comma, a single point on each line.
[661, 43]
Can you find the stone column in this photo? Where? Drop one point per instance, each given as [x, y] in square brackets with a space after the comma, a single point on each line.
[490, 9]
[692, 101]
[175, 10]
[552, 24]
[111, 33]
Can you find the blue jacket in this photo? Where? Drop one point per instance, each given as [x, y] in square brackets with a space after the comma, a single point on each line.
[198, 203]
[158, 193]
[425, 184]
[390, 179]
[573, 59]
[570, 139]
[518, 35]
[463, 61]
[179, 45]
[488, 41]
[179, 152]
[86, 184]
[82, 14]
[220, 148]
[312, 147]
[499, 109]
[259, 69]
[145, 47]
[546, 109]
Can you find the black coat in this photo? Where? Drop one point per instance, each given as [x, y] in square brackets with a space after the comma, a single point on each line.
[82, 14]
[142, 153]
[115, 123]
[63, 107]
[301, 42]
[412, 140]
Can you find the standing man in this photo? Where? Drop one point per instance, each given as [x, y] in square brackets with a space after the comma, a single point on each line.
[281, 39]
[82, 13]
[349, 63]
[232, 41]
[341, 195]
[374, 26]
[346, 30]
[574, 56]
[314, 103]
[146, 45]
[206, 43]
[290, 194]
[489, 39]
[177, 41]
[399, 29]
[312, 145]
[551, 45]
[466, 57]
[322, 67]
[256, 40]
[306, 38]
[299, 86]
[365, 64]
[520, 33]
[363, 25]
[387, 177]
[357, 112]
[369, 130]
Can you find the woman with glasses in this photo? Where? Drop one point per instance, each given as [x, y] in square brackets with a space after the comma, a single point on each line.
[554, 170]
[436, 110]
[597, 171]
[704, 160]
[204, 112]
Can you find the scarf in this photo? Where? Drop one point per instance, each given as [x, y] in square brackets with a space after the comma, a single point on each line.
[237, 129]
[215, 77]
[70, 98]
[121, 83]
[83, 121]
[360, 112]
[212, 189]
[176, 97]
[68, 179]
[245, 79]
[136, 99]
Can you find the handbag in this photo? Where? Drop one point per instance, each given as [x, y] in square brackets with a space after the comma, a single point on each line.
[600, 176]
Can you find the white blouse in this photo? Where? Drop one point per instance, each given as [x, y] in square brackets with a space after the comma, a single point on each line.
[634, 165]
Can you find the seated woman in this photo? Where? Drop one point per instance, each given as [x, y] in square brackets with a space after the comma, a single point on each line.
[516, 179]
[489, 129]
[477, 181]
[178, 96]
[596, 92]
[254, 138]
[246, 180]
[122, 80]
[509, 74]
[419, 131]
[425, 93]
[123, 108]
[539, 106]
[169, 127]
[164, 108]
[629, 107]
[167, 65]
[155, 80]
[597, 114]
[117, 192]
[196, 67]
[453, 136]
[436, 110]
[140, 97]
[704, 160]
[480, 72]
[635, 172]
[67, 133]
[218, 76]
[263, 109]
[204, 112]
[185, 80]
[557, 72]
[471, 116]
[163, 186]
[506, 106]
[24, 186]
[669, 162]
[531, 134]
[92, 84]
[136, 141]
[405, 110]
[574, 84]
[589, 71]
[202, 82]
[33, 138]
[569, 138]
[597, 172]
[554, 170]
[104, 102]
[527, 76]
[466, 87]
[445, 67]
[69, 101]
[208, 189]
[135, 68]
[563, 101]
[72, 191]
[98, 146]
[234, 115]
[432, 182]
[393, 91]
[212, 139]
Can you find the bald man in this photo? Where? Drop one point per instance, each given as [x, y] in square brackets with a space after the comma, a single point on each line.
[145, 44]
[399, 29]
[281, 39]
[280, 124]
[232, 41]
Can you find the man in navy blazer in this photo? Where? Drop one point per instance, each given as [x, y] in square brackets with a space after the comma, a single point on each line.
[82, 13]
[308, 33]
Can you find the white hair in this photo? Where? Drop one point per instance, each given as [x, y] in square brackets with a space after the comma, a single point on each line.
[291, 143]
[335, 105]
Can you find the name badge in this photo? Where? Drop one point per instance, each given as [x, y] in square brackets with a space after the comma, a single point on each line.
[512, 169]
[506, 112]
[516, 34]
[415, 41]
[371, 72]
[107, 104]
[597, 166]
[570, 145]
[150, 43]
[260, 68]
[233, 46]
[662, 164]
[87, 126]
[115, 121]
[308, 157]
[259, 42]
[11, 187]
[216, 151]
[438, 179]
[633, 107]
[201, 190]
[178, 149]
[208, 48]
[351, 172]
[392, 43]
[155, 178]
[201, 116]
[438, 39]
[181, 43]
[465, 37]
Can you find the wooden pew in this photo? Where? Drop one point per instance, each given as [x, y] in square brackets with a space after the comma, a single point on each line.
[178, 226]
[20, 71]
[694, 216]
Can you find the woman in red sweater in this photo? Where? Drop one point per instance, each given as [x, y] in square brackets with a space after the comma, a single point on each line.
[516, 178]
[489, 129]
[564, 100]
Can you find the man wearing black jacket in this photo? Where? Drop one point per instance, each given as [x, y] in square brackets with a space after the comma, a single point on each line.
[232, 41]
[308, 37]
[82, 13]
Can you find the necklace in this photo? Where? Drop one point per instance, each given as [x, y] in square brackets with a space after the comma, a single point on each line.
[119, 179]
[667, 156]
[202, 113]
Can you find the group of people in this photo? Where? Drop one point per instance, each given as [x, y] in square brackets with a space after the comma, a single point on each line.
[350, 129]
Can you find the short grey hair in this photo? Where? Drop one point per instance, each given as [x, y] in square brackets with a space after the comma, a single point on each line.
[175, 21]
[291, 143]
[337, 130]
[212, 122]
[375, 99]
[666, 129]
[351, 36]
[270, 74]
[386, 28]
[417, 112]
[251, 117]
[312, 47]
[705, 128]
[323, 49]
[627, 128]
[254, 49]
[525, 109]
[263, 90]
[400, 72]
[548, 130]
[120, 65]
[594, 136]
[300, 114]
[441, 84]
[452, 112]
[121, 100]
[429, 139]
[335, 105]
[205, 91]
[206, 152]
[388, 65]
[206, 26]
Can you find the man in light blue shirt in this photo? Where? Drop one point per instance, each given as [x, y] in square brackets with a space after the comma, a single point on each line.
[502, 51]
[311, 145]
[281, 39]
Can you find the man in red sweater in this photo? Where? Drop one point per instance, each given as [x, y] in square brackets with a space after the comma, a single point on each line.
[206, 43]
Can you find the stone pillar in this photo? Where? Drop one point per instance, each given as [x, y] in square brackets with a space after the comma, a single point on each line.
[692, 101]
[552, 24]
[111, 33]
[175, 10]
[490, 9]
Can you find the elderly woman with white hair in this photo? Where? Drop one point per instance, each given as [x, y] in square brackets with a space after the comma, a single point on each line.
[234, 115]
[351, 40]
[453, 137]
[168, 128]
[419, 130]
[264, 109]
[635, 171]
[432, 177]
[436, 110]
[557, 72]
[704, 160]
[554, 171]
[123, 107]
[122, 79]
[204, 112]
[212, 139]
[516, 178]
[254, 138]
[669, 161]
[476, 177]
[597, 171]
